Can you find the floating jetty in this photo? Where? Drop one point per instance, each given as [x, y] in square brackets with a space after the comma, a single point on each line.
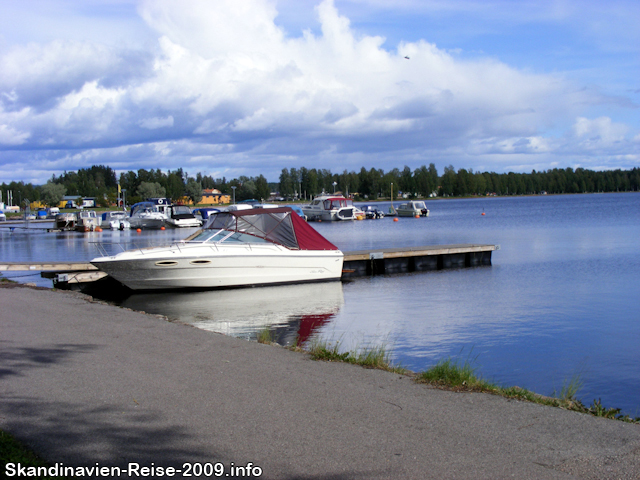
[415, 259]
[384, 261]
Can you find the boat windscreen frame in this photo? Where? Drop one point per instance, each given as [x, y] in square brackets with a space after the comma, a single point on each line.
[281, 226]
[273, 225]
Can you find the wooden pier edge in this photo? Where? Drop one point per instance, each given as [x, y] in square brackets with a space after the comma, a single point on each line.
[415, 259]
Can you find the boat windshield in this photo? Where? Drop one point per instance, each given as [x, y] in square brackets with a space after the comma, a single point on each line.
[181, 209]
[226, 236]
[333, 203]
[143, 207]
[419, 204]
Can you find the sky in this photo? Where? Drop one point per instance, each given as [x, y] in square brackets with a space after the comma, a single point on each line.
[248, 87]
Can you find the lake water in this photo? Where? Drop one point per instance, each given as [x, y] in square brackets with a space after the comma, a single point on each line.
[560, 300]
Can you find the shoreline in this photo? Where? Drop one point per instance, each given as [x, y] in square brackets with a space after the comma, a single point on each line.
[90, 382]
[378, 358]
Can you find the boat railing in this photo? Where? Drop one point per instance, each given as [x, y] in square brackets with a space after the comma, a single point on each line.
[108, 249]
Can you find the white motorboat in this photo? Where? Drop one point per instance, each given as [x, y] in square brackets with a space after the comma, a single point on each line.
[413, 208]
[147, 215]
[237, 248]
[329, 208]
[115, 220]
[182, 217]
[87, 221]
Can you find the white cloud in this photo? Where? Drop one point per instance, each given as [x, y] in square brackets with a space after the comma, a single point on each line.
[11, 136]
[224, 76]
[155, 122]
[601, 131]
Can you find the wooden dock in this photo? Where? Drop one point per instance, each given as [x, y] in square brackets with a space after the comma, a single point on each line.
[415, 259]
[356, 264]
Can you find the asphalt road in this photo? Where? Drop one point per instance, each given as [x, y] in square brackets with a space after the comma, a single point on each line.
[86, 383]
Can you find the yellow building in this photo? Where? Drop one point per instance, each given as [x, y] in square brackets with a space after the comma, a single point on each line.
[210, 196]
[213, 196]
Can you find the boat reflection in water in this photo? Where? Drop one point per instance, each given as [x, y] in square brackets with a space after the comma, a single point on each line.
[291, 312]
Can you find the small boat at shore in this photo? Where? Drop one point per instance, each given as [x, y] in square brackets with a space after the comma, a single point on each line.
[413, 208]
[329, 208]
[87, 221]
[237, 248]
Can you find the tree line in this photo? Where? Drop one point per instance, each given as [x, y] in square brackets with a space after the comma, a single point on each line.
[101, 183]
[425, 182]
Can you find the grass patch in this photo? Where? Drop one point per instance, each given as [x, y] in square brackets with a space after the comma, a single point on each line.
[452, 373]
[265, 336]
[370, 357]
[461, 376]
[13, 451]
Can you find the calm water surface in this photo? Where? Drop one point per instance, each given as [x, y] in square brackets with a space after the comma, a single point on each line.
[561, 299]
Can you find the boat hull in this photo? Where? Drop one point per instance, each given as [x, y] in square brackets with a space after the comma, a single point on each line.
[343, 214]
[205, 267]
[66, 221]
[146, 222]
[411, 213]
[184, 222]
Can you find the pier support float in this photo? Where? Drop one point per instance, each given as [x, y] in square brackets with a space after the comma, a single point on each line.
[416, 259]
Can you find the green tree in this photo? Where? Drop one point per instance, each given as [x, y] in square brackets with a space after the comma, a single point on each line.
[406, 181]
[449, 180]
[151, 190]
[193, 190]
[481, 184]
[175, 185]
[262, 188]
[286, 185]
[51, 193]
[461, 185]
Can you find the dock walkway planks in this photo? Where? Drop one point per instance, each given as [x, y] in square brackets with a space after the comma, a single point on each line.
[47, 266]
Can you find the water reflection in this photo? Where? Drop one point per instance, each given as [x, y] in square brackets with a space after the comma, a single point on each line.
[291, 312]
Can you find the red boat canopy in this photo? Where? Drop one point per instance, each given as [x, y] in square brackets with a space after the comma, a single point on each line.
[279, 225]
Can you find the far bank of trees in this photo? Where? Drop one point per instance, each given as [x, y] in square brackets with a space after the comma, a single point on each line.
[101, 182]
[425, 181]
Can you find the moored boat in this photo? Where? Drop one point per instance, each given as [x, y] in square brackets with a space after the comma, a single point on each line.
[182, 217]
[146, 215]
[236, 248]
[115, 220]
[87, 221]
[203, 213]
[329, 208]
[372, 212]
[413, 208]
[66, 221]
